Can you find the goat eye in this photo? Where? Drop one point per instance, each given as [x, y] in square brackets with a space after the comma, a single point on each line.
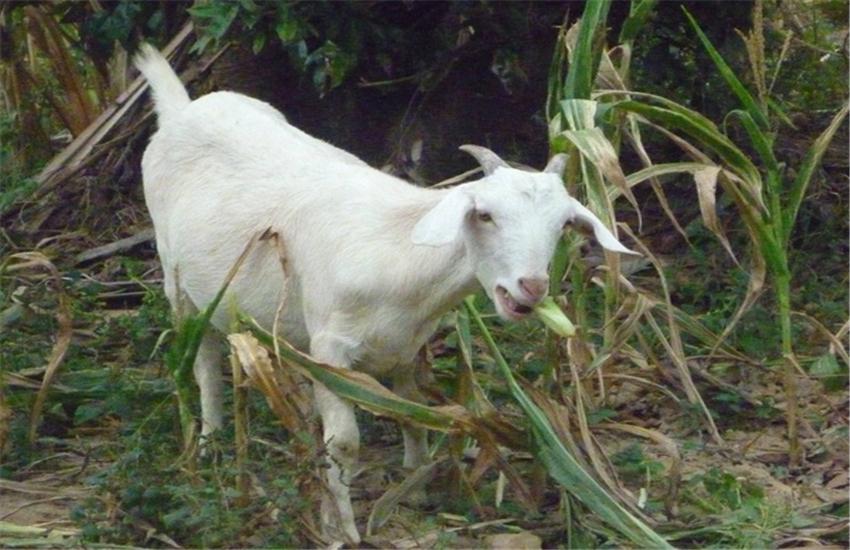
[485, 217]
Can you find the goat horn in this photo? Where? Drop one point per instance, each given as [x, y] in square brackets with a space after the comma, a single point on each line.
[557, 164]
[488, 160]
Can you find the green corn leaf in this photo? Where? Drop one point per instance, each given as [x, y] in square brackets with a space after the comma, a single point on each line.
[734, 158]
[780, 113]
[555, 88]
[579, 113]
[639, 13]
[561, 465]
[560, 260]
[807, 169]
[579, 81]
[696, 117]
[362, 389]
[762, 143]
[728, 75]
[190, 330]
[657, 170]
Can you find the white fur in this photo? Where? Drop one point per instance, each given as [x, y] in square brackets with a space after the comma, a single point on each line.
[373, 261]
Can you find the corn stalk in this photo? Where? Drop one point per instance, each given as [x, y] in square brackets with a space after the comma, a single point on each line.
[560, 463]
[594, 173]
[766, 197]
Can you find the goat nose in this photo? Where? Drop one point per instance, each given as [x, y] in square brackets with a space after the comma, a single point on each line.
[534, 287]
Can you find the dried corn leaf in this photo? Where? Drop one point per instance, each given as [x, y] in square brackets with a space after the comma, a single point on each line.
[365, 391]
[384, 506]
[596, 148]
[284, 397]
[674, 474]
[836, 344]
[706, 181]
[633, 134]
[27, 260]
[673, 344]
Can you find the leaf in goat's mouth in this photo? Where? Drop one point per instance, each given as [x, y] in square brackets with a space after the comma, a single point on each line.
[552, 316]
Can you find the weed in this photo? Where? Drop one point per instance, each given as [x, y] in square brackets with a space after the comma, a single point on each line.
[144, 494]
[14, 185]
[635, 465]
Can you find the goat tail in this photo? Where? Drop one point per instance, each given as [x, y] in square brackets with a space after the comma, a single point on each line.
[169, 95]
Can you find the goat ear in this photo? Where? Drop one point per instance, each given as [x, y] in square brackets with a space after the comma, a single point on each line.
[584, 217]
[441, 225]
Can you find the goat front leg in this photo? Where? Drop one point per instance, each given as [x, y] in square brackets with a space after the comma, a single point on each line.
[342, 441]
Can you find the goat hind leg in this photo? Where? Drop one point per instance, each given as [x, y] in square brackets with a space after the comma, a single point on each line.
[415, 438]
[207, 366]
[207, 371]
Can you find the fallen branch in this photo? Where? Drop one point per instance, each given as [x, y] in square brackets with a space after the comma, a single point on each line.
[112, 248]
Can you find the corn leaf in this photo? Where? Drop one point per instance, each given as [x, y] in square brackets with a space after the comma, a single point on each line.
[283, 395]
[585, 58]
[755, 286]
[579, 113]
[807, 169]
[596, 148]
[709, 136]
[728, 75]
[633, 134]
[384, 506]
[657, 170]
[562, 466]
[673, 345]
[363, 390]
[639, 13]
[761, 141]
[706, 181]
[63, 337]
[555, 81]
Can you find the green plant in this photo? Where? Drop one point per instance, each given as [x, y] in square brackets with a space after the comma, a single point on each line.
[560, 463]
[740, 515]
[632, 462]
[328, 60]
[14, 183]
[767, 197]
[201, 508]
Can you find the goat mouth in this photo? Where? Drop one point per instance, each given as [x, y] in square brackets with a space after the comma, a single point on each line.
[512, 309]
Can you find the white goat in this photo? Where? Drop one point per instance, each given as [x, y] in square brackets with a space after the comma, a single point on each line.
[373, 261]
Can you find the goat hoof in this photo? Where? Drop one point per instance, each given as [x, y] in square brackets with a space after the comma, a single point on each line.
[336, 528]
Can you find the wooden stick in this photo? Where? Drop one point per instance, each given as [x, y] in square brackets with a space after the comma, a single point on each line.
[114, 247]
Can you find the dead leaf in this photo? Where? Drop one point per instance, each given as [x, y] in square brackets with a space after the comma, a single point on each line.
[28, 260]
[706, 181]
